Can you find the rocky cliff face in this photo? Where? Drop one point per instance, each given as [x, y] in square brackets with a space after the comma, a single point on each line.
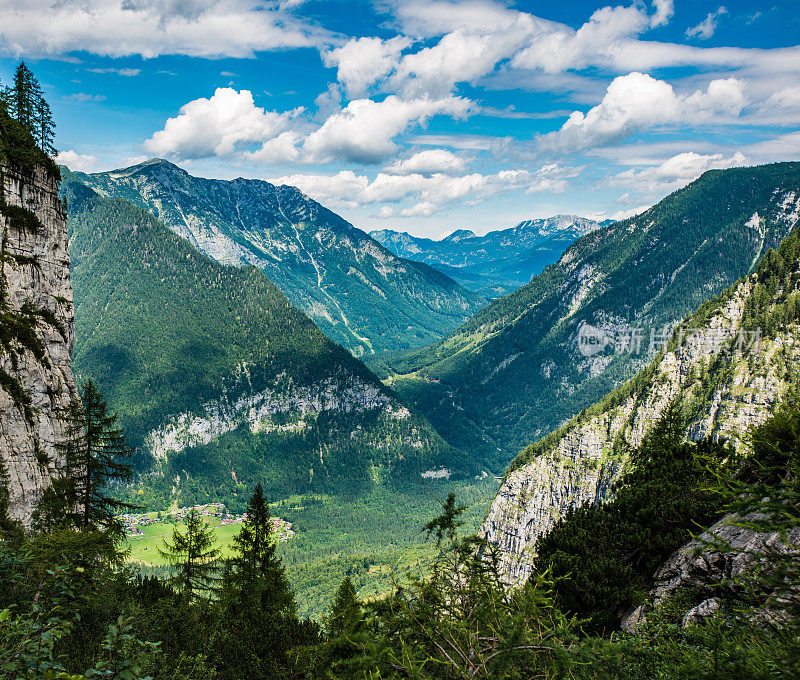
[725, 553]
[725, 374]
[36, 381]
[282, 407]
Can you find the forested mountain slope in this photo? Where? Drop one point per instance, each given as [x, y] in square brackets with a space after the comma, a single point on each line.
[360, 294]
[726, 367]
[217, 376]
[498, 262]
[518, 369]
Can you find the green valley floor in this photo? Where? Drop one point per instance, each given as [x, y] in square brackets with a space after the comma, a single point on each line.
[370, 538]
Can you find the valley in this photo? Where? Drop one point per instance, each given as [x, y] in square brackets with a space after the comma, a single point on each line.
[284, 396]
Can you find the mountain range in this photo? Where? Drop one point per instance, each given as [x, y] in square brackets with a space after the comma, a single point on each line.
[218, 379]
[517, 370]
[360, 294]
[498, 262]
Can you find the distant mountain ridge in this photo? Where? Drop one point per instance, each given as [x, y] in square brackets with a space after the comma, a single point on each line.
[514, 371]
[498, 262]
[359, 293]
[218, 380]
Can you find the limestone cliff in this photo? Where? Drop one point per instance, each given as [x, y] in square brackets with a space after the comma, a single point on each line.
[710, 566]
[726, 375]
[36, 317]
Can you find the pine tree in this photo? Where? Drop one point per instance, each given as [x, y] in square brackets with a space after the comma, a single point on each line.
[95, 456]
[25, 102]
[346, 611]
[25, 96]
[44, 127]
[255, 560]
[259, 615]
[195, 555]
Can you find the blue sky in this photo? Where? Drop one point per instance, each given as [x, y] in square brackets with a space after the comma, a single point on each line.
[423, 116]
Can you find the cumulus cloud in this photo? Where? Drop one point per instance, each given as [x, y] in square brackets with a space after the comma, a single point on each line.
[363, 132]
[675, 172]
[280, 149]
[219, 126]
[461, 56]
[424, 208]
[664, 10]
[364, 61]
[78, 162]
[427, 162]
[204, 28]
[561, 48]
[639, 101]
[706, 28]
[434, 191]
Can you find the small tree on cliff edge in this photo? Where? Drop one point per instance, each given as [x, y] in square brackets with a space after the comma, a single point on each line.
[24, 101]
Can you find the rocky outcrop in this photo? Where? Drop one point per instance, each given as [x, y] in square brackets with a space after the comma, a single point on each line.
[293, 402]
[37, 334]
[727, 378]
[714, 565]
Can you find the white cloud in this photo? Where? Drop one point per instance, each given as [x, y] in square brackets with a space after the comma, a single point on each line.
[427, 162]
[204, 28]
[675, 172]
[364, 130]
[561, 48]
[425, 208]
[280, 149]
[364, 61]
[464, 55]
[433, 191]
[83, 97]
[126, 72]
[219, 126]
[784, 147]
[77, 162]
[625, 214]
[706, 28]
[788, 97]
[664, 11]
[638, 101]
[386, 211]
[429, 18]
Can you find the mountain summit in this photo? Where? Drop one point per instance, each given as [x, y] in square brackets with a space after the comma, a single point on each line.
[498, 262]
[359, 293]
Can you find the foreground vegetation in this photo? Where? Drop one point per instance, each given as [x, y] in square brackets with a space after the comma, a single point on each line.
[70, 609]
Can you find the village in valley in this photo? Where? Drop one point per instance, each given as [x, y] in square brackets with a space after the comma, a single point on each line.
[215, 514]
